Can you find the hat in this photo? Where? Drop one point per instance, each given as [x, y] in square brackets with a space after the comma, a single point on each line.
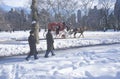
[33, 22]
[31, 32]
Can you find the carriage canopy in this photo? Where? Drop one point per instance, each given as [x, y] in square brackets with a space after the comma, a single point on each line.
[54, 25]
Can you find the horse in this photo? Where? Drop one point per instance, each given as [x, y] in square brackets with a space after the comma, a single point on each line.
[74, 31]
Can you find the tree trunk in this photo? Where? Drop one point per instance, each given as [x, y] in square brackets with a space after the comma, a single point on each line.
[35, 25]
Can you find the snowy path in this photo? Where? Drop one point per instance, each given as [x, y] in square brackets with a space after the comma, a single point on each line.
[59, 51]
[100, 62]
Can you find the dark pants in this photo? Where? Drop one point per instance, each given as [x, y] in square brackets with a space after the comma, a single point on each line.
[34, 53]
[48, 51]
[29, 55]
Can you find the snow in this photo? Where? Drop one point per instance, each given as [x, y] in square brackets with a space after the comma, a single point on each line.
[96, 56]
[16, 43]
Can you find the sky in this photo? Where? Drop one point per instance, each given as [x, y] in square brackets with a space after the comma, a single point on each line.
[22, 3]
[15, 3]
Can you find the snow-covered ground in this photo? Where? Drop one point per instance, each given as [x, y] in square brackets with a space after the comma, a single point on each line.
[16, 43]
[97, 62]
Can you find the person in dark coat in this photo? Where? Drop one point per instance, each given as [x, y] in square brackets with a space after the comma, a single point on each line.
[32, 45]
[50, 46]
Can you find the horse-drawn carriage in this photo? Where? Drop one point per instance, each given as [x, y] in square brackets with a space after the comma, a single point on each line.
[58, 30]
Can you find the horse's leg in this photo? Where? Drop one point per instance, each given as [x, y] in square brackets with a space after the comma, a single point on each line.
[75, 34]
[82, 34]
[71, 33]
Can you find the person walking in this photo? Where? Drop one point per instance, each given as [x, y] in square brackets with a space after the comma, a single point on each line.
[50, 46]
[32, 45]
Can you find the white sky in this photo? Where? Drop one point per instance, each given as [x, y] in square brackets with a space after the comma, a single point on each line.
[24, 3]
[16, 3]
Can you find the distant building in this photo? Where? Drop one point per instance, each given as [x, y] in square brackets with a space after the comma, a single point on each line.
[3, 25]
[94, 17]
[117, 13]
[78, 16]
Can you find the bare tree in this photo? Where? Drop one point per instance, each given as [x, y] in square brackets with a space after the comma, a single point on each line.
[70, 7]
[85, 6]
[35, 26]
[106, 5]
[55, 6]
[44, 18]
[62, 9]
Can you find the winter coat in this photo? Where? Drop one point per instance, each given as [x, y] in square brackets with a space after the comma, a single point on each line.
[50, 41]
[32, 44]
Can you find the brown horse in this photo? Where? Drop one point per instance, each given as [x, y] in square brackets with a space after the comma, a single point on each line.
[78, 30]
